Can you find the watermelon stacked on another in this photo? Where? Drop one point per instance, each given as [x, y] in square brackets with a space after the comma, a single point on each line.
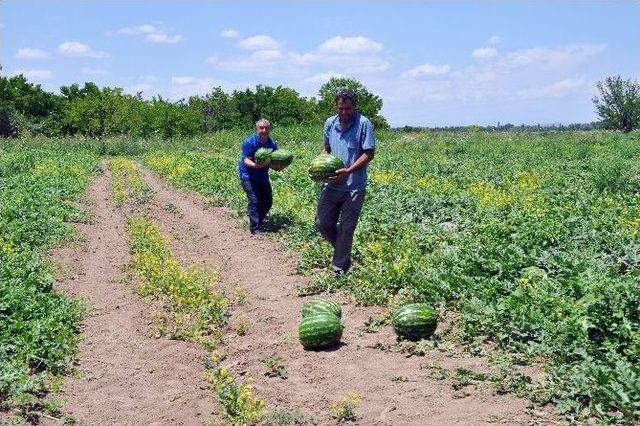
[321, 306]
[281, 157]
[414, 321]
[262, 155]
[324, 166]
[320, 326]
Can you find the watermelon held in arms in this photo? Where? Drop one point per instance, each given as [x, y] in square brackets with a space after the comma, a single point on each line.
[281, 157]
[320, 331]
[321, 306]
[324, 166]
[262, 155]
[414, 321]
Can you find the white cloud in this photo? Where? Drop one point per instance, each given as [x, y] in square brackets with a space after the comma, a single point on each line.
[494, 39]
[92, 71]
[323, 77]
[229, 33]
[183, 80]
[80, 50]
[185, 86]
[558, 89]
[28, 53]
[349, 46]
[141, 29]
[259, 42]
[163, 38]
[484, 52]
[426, 70]
[149, 78]
[267, 55]
[37, 75]
[151, 34]
[552, 58]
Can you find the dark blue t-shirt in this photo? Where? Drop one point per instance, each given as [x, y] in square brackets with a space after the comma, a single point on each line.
[249, 148]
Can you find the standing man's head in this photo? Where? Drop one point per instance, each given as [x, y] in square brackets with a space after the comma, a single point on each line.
[346, 104]
[263, 127]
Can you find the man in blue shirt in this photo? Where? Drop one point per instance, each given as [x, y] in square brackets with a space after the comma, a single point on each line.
[350, 136]
[254, 176]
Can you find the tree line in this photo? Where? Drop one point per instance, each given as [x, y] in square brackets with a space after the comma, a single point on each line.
[26, 108]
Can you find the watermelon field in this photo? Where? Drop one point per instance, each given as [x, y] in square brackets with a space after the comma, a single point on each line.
[526, 244]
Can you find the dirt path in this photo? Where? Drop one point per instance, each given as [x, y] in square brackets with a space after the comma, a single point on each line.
[128, 377]
[125, 375]
[394, 389]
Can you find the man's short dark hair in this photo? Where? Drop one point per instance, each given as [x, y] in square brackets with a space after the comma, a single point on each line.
[345, 94]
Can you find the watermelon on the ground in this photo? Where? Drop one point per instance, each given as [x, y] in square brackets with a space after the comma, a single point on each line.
[321, 306]
[320, 331]
[414, 321]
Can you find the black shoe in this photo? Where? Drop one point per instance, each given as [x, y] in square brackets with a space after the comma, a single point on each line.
[257, 232]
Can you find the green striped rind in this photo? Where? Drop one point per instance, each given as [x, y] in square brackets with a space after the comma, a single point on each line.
[319, 331]
[321, 306]
[414, 321]
[262, 155]
[324, 166]
[281, 157]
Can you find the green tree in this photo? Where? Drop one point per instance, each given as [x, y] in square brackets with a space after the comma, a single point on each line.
[26, 106]
[368, 103]
[218, 110]
[618, 103]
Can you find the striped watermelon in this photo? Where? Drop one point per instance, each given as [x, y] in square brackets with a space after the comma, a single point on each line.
[414, 321]
[281, 157]
[321, 306]
[319, 331]
[262, 155]
[324, 166]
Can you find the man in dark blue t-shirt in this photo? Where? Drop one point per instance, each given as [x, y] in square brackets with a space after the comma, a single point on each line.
[254, 176]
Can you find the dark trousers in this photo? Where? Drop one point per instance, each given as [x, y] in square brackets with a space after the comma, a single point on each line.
[336, 219]
[260, 199]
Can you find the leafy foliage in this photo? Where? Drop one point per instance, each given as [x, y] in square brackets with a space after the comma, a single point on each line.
[38, 327]
[618, 103]
[108, 111]
[368, 103]
[532, 238]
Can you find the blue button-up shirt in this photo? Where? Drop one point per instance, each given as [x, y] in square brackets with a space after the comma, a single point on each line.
[348, 144]
[249, 148]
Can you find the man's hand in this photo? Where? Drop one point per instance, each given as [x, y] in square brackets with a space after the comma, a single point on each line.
[340, 176]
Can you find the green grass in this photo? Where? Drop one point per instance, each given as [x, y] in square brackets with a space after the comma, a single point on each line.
[38, 327]
[532, 238]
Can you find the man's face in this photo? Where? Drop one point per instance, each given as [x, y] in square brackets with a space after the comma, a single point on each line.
[263, 130]
[345, 110]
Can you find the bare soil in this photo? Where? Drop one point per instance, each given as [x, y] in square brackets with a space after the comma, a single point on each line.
[128, 377]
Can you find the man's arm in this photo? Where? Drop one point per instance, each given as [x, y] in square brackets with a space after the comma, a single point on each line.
[249, 162]
[364, 159]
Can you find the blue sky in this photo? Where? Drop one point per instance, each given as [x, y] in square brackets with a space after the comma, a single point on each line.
[433, 63]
